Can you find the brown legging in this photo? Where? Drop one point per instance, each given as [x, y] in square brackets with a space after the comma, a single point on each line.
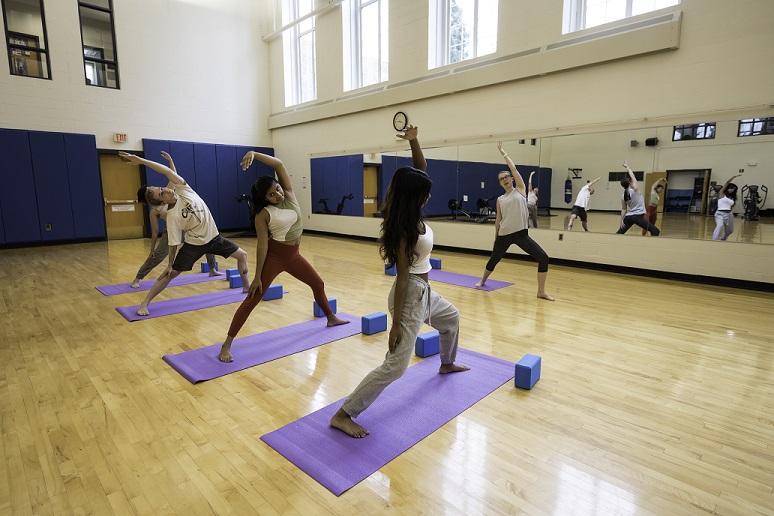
[652, 215]
[282, 258]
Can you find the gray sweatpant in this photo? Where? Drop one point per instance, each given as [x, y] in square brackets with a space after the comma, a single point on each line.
[159, 253]
[420, 305]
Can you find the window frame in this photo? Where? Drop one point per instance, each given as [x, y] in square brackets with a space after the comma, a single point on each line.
[292, 43]
[102, 63]
[440, 48]
[767, 126]
[693, 129]
[574, 18]
[10, 47]
[353, 43]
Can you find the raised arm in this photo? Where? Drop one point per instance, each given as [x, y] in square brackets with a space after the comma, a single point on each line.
[158, 167]
[592, 182]
[632, 180]
[722, 192]
[529, 185]
[279, 167]
[659, 182]
[417, 156]
[520, 186]
[167, 157]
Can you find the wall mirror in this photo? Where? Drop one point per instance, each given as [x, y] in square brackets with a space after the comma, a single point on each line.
[465, 179]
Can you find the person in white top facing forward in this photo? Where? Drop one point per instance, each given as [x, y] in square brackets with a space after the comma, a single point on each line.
[581, 205]
[724, 218]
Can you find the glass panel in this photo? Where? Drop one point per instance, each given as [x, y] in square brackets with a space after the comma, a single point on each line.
[25, 24]
[385, 31]
[646, 6]
[97, 34]
[105, 4]
[604, 11]
[370, 65]
[461, 30]
[307, 67]
[29, 64]
[487, 27]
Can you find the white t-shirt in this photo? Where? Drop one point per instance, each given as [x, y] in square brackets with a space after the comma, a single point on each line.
[190, 214]
[583, 198]
[725, 203]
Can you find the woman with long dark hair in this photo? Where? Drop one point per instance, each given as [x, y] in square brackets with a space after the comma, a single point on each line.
[724, 219]
[633, 206]
[405, 242]
[278, 228]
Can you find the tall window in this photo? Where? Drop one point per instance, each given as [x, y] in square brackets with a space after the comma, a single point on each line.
[25, 34]
[460, 30]
[98, 36]
[366, 42]
[584, 14]
[299, 52]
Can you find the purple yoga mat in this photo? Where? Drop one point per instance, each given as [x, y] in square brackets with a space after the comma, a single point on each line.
[410, 409]
[463, 280]
[183, 304]
[185, 279]
[202, 364]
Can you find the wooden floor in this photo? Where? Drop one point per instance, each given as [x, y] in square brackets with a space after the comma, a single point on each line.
[656, 397]
[673, 225]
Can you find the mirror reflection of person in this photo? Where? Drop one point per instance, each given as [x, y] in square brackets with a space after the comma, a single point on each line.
[581, 205]
[532, 198]
[655, 197]
[633, 206]
[406, 242]
[724, 219]
[511, 225]
[160, 246]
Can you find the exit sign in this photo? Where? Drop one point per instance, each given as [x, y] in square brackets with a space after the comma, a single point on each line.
[119, 137]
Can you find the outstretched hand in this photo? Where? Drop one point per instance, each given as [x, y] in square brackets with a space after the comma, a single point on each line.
[247, 160]
[256, 286]
[131, 158]
[409, 133]
[166, 156]
[626, 164]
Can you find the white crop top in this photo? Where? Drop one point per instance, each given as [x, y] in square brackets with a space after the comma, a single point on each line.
[285, 221]
[725, 204]
[423, 249]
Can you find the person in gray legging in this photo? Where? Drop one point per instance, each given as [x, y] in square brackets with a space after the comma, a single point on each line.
[406, 241]
[511, 226]
[159, 246]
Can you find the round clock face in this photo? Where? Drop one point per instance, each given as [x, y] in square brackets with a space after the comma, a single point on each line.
[399, 121]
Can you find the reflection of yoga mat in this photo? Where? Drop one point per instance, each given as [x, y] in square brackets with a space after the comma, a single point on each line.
[183, 304]
[185, 279]
[202, 364]
[410, 409]
[463, 280]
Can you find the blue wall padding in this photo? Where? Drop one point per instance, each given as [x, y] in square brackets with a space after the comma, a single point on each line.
[85, 185]
[206, 169]
[49, 165]
[232, 214]
[19, 205]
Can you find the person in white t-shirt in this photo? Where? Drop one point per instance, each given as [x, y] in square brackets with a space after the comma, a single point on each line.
[581, 205]
[186, 211]
[724, 218]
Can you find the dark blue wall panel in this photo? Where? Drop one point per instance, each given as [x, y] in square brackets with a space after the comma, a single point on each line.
[246, 178]
[18, 204]
[354, 206]
[233, 215]
[182, 154]
[205, 165]
[152, 151]
[317, 172]
[544, 187]
[85, 185]
[49, 165]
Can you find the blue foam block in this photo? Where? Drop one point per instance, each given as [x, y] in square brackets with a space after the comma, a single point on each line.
[206, 266]
[527, 371]
[273, 292]
[435, 263]
[235, 281]
[373, 323]
[318, 311]
[392, 271]
[427, 344]
[232, 272]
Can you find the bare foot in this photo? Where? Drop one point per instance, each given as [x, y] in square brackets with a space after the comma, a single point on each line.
[215, 273]
[452, 368]
[135, 284]
[479, 284]
[343, 422]
[543, 295]
[142, 310]
[335, 321]
[225, 355]
[246, 290]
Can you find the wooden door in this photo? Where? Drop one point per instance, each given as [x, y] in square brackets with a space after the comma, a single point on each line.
[650, 180]
[124, 216]
[370, 191]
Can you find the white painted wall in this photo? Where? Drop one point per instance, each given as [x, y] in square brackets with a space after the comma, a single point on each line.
[192, 70]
